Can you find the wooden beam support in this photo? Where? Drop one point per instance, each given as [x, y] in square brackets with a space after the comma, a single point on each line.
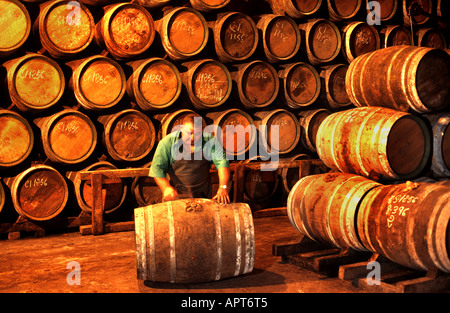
[97, 205]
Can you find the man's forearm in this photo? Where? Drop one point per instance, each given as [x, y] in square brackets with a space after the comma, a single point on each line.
[162, 183]
[224, 176]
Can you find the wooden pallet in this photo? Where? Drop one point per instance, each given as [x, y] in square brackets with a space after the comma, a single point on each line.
[394, 278]
[317, 257]
[358, 267]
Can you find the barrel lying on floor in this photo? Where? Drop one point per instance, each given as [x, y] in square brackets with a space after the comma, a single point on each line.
[193, 240]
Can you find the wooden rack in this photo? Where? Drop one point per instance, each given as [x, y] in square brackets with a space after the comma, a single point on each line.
[355, 266]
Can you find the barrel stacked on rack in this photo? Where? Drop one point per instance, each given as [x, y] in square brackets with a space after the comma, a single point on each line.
[374, 199]
[104, 81]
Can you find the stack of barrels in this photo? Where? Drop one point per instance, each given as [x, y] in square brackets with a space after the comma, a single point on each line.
[96, 84]
[375, 198]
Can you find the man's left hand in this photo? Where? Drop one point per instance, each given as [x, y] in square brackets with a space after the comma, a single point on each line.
[222, 196]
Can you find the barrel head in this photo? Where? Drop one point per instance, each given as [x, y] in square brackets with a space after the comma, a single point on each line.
[15, 26]
[70, 138]
[362, 39]
[129, 136]
[159, 84]
[37, 83]
[211, 84]
[187, 32]
[324, 41]
[259, 85]
[237, 132]
[64, 31]
[237, 36]
[302, 85]
[40, 193]
[282, 38]
[101, 83]
[16, 139]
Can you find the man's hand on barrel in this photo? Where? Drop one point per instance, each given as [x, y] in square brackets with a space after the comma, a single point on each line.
[222, 195]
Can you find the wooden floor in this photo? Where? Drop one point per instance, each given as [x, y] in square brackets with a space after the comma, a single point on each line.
[107, 264]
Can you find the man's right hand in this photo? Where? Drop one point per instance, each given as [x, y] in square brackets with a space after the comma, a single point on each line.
[170, 194]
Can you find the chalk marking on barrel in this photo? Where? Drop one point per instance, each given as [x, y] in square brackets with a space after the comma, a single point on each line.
[218, 242]
[238, 239]
[173, 260]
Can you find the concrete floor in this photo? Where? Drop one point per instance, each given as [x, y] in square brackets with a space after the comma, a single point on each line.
[107, 264]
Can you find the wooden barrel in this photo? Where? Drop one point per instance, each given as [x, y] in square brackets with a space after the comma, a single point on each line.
[416, 18]
[153, 3]
[208, 83]
[193, 240]
[295, 8]
[169, 121]
[418, 81]
[208, 5]
[154, 84]
[239, 136]
[395, 35]
[65, 29]
[359, 38]
[98, 82]
[15, 26]
[128, 135]
[259, 186]
[440, 124]
[145, 191]
[282, 140]
[408, 224]
[257, 84]
[35, 82]
[39, 193]
[322, 40]
[68, 137]
[290, 176]
[235, 37]
[309, 123]
[113, 193]
[374, 142]
[431, 38]
[340, 10]
[125, 30]
[280, 37]
[184, 33]
[16, 138]
[333, 86]
[300, 84]
[324, 207]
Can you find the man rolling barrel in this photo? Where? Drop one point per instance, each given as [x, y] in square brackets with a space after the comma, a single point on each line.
[186, 156]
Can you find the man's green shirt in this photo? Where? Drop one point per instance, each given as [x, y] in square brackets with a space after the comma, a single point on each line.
[168, 150]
